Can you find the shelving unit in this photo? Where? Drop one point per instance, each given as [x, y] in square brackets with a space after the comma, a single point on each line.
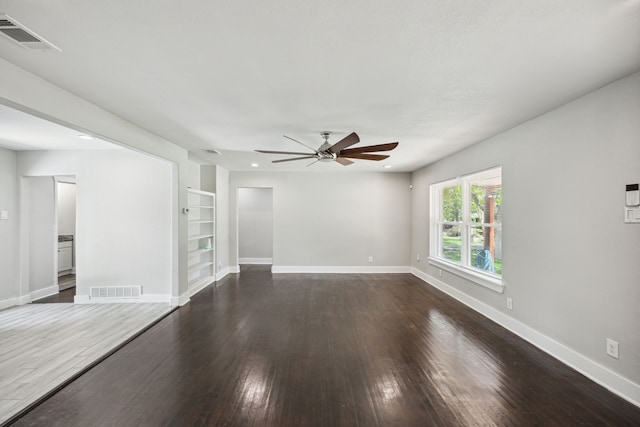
[202, 252]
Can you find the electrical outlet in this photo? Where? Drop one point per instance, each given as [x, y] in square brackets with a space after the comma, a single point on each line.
[440, 272]
[509, 303]
[418, 257]
[370, 259]
[4, 214]
[612, 348]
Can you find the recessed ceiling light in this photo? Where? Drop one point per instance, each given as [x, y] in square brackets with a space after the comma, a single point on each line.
[87, 137]
[386, 166]
[254, 165]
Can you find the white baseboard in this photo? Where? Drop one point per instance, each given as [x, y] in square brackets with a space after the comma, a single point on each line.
[612, 381]
[144, 299]
[180, 301]
[11, 302]
[339, 269]
[255, 260]
[45, 292]
[222, 273]
[234, 269]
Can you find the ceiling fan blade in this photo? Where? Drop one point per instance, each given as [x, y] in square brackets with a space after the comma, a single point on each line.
[311, 156]
[370, 148]
[343, 161]
[301, 143]
[365, 156]
[283, 152]
[345, 142]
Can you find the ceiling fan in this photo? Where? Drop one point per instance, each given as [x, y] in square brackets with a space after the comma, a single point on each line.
[338, 152]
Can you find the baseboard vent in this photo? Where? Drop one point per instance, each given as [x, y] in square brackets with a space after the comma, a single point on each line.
[115, 292]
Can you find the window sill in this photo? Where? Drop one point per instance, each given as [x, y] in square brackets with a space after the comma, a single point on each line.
[494, 284]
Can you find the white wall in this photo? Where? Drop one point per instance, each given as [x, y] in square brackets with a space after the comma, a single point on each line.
[66, 208]
[331, 220]
[208, 178]
[41, 219]
[193, 180]
[8, 228]
[124, 216]
[222, 221]
[255, 224]
[570, 263]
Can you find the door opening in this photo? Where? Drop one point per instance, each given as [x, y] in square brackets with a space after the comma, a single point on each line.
[52, 238]
[255, 226]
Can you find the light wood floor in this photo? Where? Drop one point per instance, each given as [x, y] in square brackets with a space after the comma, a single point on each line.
[44, 345]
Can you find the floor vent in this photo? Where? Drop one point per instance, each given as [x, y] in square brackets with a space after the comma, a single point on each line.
[18, 33]
[116, 292]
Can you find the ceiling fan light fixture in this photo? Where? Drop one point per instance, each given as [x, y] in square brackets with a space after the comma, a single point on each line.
[338, 152]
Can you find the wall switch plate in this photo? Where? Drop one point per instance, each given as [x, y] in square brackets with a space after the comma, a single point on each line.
[418, 257]
[632, 215]
[509, 303]
[4, 214]
[612, 348]
[440, 272]
[370, 259]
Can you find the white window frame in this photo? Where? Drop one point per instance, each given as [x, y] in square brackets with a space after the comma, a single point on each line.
[464, 269]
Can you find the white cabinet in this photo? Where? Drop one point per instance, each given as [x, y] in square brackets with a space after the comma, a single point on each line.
[202, 252]
[65, 256]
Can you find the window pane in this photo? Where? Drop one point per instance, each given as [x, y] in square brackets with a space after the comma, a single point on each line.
[452, 203]
[486, 202]
[486, 249]
[451, 243]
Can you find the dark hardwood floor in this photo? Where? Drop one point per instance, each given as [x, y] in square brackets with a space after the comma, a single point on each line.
[65, 296]
[329, 350]
[68, 283]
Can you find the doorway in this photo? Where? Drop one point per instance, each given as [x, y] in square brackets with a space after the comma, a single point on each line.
[51, 224]
[66, 235]
[255, 226]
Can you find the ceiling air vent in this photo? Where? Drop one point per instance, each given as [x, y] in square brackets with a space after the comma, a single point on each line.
[211, 151]
[18, 33]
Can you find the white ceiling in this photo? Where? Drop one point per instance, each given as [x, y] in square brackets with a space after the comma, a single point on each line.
[435, 75]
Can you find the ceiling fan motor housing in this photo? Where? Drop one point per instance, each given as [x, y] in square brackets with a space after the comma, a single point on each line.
[326, 156]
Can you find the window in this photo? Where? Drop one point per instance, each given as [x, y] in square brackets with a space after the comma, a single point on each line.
[466, 226]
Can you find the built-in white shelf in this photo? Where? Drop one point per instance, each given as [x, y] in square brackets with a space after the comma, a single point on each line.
[200, 236]
[200, 266]
[202, 217]
[201, 192]
[197, 252]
